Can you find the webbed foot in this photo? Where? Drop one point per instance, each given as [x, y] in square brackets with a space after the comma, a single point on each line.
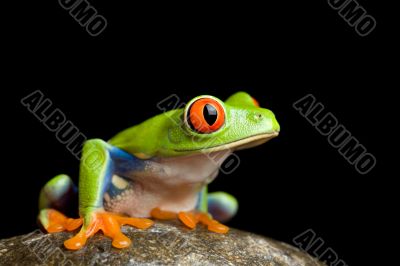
[109, 223]
[54, 221]
[191, 219]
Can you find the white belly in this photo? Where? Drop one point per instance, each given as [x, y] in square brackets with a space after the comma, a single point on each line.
[175, 188]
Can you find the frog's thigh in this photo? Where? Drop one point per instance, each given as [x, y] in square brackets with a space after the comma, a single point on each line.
[59, 193]
[222, 206]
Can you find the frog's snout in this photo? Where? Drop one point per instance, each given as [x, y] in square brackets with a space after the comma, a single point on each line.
[275, 125]
[266, 119]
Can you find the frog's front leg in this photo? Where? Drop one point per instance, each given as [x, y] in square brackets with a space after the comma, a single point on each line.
[99, 160]
[191, 219]
[211, 209]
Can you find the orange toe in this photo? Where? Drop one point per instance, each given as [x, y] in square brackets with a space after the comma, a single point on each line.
[141, 223]
[218, 228]
[72, 224]
[121, 241]
[162, 215]
[212, 224]
[188, 218]
[54, 228]
[76, 242]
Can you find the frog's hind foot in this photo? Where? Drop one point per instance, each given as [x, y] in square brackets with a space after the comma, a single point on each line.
[110, 224]
[54, 221]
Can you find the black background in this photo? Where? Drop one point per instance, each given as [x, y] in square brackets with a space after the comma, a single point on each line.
[277, 52]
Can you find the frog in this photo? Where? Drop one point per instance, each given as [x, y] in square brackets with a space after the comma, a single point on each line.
[158, 169]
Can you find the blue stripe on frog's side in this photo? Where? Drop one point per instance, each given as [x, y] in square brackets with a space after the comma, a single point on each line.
[124, 166]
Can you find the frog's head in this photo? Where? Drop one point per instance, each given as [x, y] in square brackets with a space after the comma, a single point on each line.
[207, 124]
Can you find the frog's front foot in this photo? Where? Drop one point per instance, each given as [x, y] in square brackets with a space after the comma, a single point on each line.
[109, 223]
[191, 219]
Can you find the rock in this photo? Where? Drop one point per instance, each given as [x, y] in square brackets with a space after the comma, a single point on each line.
[165, 243]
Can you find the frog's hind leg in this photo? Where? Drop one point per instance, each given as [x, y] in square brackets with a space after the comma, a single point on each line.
[59, 193]
[222, 206]
[58, 196]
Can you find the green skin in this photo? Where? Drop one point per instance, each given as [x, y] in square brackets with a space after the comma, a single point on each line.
[164, 141]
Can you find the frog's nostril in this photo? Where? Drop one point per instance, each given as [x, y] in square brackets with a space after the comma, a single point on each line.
[255, 117]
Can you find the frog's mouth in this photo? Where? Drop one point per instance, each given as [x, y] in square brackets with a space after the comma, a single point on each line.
[240, 144]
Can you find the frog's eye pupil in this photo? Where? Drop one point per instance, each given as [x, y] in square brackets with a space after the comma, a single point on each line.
[210, 114]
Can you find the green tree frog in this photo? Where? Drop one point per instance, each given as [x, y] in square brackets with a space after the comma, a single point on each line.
[158, 169]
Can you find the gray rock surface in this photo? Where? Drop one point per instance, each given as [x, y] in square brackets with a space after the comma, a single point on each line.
[166, 243]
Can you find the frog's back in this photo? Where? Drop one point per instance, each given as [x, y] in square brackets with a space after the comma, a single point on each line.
[145, 139]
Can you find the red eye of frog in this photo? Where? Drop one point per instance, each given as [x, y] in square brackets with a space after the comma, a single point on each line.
[205, 115]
